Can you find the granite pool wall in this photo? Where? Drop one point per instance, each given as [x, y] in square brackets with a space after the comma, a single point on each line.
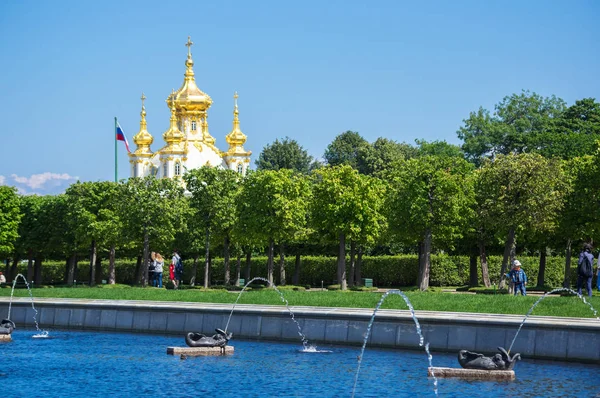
[566, 339]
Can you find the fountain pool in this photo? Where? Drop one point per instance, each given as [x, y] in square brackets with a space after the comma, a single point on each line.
[93, 364]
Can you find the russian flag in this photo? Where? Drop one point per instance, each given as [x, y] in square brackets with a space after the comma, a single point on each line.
[121, 136]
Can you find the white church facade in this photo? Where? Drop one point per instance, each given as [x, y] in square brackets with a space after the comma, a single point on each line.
[188, 144]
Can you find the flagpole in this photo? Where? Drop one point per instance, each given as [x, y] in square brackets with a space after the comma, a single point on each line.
[115, 138]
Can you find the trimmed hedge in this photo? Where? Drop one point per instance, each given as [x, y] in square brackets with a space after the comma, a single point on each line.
[386, 271]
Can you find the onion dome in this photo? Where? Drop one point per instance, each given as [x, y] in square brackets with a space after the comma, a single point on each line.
[189, 97]
[143, 139]
[173, 136]
[236, 138]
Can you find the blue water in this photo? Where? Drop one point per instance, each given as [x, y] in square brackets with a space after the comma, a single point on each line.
[90, 364]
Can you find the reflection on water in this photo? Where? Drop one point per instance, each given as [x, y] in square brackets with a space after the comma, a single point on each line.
[78, 364]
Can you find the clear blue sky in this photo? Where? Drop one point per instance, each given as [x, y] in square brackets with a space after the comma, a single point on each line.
[308, 70]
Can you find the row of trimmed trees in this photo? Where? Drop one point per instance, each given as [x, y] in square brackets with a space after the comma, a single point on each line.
[425, 204]
[507, 189]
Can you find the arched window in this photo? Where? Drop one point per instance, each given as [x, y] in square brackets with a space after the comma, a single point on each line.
[177, 169]
[240, 168]
[194, 125]
[165, 169]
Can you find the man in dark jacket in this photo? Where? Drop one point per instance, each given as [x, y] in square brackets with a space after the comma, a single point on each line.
[585, 269]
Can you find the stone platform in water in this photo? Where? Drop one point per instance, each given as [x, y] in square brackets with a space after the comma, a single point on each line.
[200, 351]
[5, 337]
[472, 373]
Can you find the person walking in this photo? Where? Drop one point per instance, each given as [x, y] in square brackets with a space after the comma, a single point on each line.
[585, 269]
[151, 269]
[159, 262]
[178, 268]
[598, 274]
[519, 278]
[172, 275]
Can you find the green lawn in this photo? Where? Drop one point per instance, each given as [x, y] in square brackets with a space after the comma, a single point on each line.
[569, 306]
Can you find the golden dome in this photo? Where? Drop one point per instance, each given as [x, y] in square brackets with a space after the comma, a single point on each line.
[236, 138]
[143, 139]
[173, 136]
[189, 97]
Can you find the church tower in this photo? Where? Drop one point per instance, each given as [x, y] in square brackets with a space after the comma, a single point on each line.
[188, 144]
[236, 157]
[140, 159]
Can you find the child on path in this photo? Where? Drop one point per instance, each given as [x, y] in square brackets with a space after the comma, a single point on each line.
[519, 278]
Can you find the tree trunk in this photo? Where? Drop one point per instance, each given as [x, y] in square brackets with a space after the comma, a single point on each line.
[352, 263]
[207, 259]
[210, 270]
[341, 268]
[297, 265]
[99, 274]
[248, 265]
[281, 264]
[485, 275]
[424, 261]
[473, 277]
[358, 267]
[138, 267]
[542, 273]
[29, 265]
[568, 254]
[238, 268]
[226, 260]
[38, 270]
[146, 256]
[112, 277]
[13, 269]
[509, 250]
[70, 274]
[270, 262]
[194, 270]
[7, 269]
[92, 278]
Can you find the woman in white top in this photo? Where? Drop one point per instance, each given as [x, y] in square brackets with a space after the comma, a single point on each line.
[158, 270]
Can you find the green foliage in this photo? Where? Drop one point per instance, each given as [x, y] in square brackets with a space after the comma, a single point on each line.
[528, 122]
[439, 148]
[523, 192]
[284, 154]
[10, 217]
[345, 149]
[152, 207]
[214, 196]
[430, 194]
[273, 205]
[378, 158]
[346, 202]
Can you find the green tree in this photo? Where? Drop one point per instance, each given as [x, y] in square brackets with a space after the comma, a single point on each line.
[284, 154]
[92, 210]
[520, 193]
[521, 123]
[379, 157]
[152, 210]
[214, 195]
[579, 219]
[346, 206]
[345, 149]
[273, 208]
[10, 217]
[429, 203]
[439, 148]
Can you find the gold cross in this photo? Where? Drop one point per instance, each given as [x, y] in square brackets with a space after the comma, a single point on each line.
[143, 98]
[189, 45]
[235, 97]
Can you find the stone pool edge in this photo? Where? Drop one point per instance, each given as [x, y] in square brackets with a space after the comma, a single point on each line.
[565, 339]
